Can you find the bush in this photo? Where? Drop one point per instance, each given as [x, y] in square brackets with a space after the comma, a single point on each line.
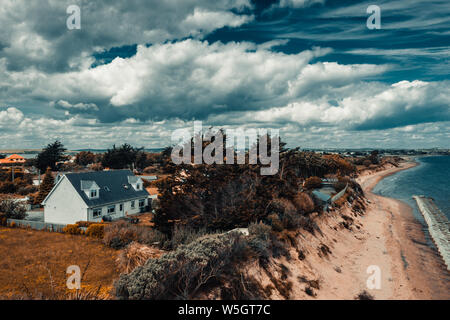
[313, 183]
[259, 230]
[72, 229]
[184, 235]
[11, 209]
[134, 255]
[182, 273]
[304, 203]
[120, 234]
[96, 231]
[340, 185]
[85, 224]
[275, 222]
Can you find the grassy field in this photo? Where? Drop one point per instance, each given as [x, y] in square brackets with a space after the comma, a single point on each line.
[33, 264]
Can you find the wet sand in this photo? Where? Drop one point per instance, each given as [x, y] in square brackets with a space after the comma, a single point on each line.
[395, 241]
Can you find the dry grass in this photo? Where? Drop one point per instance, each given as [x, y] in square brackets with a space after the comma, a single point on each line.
[135, 255]
[33, 264]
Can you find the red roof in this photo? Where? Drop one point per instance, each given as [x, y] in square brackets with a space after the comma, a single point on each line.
[14, 158]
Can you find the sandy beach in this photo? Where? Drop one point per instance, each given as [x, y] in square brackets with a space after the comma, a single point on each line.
[393, 240]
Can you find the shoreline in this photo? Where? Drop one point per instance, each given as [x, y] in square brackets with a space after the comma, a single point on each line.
[405, 243]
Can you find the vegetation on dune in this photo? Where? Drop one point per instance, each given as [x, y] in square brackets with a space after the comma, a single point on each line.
[223, 197]
[182, 273]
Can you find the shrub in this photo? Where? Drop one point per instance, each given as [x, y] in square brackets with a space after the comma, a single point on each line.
[72, 229]
[304, 203]
[120, 234]
[13, 224]
[96, 231]
[260, 241]
[313, 183]
[85, 224]
[182, 273]
[259, 230]
[11, 209]
[184, 235]
[275, 222]
[134, 255]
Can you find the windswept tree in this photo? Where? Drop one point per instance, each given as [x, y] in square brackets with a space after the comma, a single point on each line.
[120, 158]
[84, 158]
[53, 153]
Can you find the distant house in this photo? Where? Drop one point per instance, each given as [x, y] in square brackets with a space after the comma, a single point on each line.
[90, 196]
[13, 159]
[149, 178]
[153, 192]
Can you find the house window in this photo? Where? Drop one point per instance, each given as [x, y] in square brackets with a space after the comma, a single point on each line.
[93, 193]
[138, 186]
[111, 209]
[97, 212]
[133, 204]
[121, 207]
[141, 203]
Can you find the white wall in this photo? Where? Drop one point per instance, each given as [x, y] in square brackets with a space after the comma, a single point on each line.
[127, 210]
[65, 206]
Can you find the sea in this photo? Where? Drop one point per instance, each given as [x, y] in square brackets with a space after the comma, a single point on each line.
[431, 178]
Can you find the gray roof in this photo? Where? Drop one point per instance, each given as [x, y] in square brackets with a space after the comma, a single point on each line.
[114, 181]
[88, 185]
[133, 179]
[321, 196]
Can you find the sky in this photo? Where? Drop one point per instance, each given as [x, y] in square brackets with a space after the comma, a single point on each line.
[137, 70]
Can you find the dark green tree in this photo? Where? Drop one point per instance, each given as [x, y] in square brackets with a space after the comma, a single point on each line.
[46, 186]
[120, 158]
[53, 153]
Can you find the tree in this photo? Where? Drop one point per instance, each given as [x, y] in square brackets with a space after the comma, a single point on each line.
[120, 158]
[46, 186]
[84, 158]
[51, 154]
[374, 157]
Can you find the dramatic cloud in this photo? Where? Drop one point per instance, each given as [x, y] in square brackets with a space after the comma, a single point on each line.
[35, 32]
[401, 104]
[139, 69]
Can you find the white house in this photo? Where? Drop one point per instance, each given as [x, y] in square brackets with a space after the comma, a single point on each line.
[90, 196]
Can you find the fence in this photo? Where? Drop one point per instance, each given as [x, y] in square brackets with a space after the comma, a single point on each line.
[340, 194]
[37, 225]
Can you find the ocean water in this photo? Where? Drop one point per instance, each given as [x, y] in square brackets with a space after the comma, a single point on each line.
[430, 178]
